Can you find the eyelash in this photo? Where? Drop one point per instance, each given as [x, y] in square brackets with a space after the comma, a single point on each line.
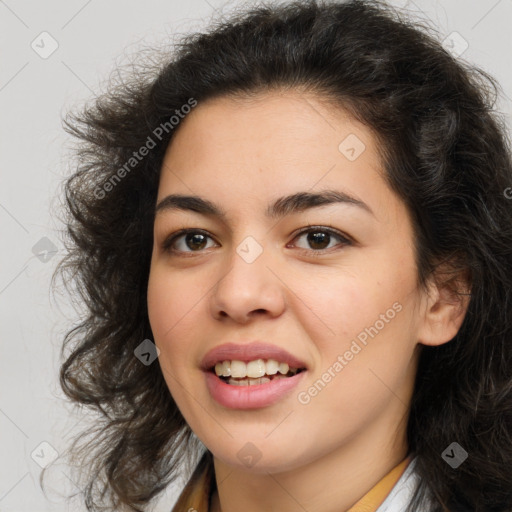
[345, 240]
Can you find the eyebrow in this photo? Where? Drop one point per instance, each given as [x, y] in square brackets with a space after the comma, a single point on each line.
[281, 207]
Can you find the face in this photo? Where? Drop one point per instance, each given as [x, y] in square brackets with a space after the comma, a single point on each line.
[332, 282]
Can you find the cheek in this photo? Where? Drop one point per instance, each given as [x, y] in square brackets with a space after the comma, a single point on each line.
[340, 305]
[375, 305]
[171, 304]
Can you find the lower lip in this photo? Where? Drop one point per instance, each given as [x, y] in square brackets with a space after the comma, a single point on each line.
[250, 397]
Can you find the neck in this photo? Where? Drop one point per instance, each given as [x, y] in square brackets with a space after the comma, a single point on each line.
[331, 483]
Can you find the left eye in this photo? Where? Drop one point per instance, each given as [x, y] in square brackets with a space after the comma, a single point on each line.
[319, 238]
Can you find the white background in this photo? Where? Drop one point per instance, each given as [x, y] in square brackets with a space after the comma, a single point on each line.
[34, 95]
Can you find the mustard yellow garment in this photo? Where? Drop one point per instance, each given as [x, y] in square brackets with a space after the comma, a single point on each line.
[373, 499]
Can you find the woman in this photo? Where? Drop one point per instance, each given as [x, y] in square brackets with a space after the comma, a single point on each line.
[294, 244]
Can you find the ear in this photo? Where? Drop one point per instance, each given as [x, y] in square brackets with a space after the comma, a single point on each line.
[446, 302]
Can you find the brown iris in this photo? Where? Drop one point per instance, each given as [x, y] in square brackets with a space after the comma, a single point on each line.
[195, 238]
[318, 238]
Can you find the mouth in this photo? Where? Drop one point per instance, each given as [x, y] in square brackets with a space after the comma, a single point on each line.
[253, 373]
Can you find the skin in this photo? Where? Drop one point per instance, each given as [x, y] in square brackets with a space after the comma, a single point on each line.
[242, 154]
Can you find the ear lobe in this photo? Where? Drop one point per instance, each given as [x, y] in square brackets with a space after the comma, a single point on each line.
[446, 306]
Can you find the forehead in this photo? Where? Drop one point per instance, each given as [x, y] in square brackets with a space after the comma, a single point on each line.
[272, 143]
[266, 120]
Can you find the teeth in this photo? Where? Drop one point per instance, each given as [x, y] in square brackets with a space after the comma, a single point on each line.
[272, 367]
[223, 368]
[238, 369]
[284, 368]
[254, 369]
[249, 382]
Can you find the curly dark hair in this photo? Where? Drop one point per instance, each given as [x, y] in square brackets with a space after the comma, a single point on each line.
[447, 157]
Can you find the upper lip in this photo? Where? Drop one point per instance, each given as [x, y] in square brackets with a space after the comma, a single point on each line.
[249, 352]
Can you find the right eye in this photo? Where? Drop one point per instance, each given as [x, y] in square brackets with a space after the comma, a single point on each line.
[186, 238]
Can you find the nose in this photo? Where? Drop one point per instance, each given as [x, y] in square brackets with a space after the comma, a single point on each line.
[248, 289]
